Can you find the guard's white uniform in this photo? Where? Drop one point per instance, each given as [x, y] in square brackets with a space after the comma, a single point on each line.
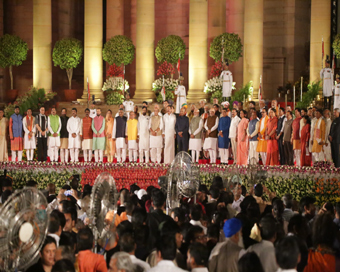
[93, 113]
[327, 75]
[169, 121]
[181, 97]
[144, 137]
[227, 84]
[336, 104]
[128, 106]
[74, 126]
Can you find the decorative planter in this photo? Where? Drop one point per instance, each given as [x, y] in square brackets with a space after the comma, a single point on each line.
[11, 95]
[70, 95]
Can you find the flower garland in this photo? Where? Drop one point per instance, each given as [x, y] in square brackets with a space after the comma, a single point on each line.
[321, 181]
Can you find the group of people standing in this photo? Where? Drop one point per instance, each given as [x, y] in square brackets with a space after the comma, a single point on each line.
[276, 135]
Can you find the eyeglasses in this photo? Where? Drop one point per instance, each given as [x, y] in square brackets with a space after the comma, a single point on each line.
[201, 237]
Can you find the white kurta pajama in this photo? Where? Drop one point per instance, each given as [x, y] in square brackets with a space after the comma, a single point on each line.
[29, 144]
[156, 142]
[53, 142]
[336, 104]
[227, 85]
[181, 97]
[210, 143]
[327, 149]
[144, 137]
[195, 145]
[74, 144]
[232, 135]
[169, 121]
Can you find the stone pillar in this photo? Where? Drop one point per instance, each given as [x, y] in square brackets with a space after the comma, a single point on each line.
[42, 44]
[253, 44]
[235, 24]
[198, 48]
[93, 46]
[114, 18]
[320, 27]
[216, 23]
[145, 58]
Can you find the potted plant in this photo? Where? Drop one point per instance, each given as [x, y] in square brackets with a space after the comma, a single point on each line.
[118, 52]
[67, 55]
[170, 49]
[13, 51]
[226, 47]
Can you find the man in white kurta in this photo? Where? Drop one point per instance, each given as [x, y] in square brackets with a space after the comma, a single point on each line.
[336, 104]
[195, 141]
[169, 135]
[181, 95]
[210, 142]
[235, 120]
[156, 139]
[29, 138]
[144, 135]
[128, 105]
[73, 128]
[326, 74]
[119, 133]
[227, 84]
[54, 127]
[327, 146]
[86, 136]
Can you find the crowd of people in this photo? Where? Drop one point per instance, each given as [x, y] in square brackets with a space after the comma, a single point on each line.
[220, 230]
[276, 135]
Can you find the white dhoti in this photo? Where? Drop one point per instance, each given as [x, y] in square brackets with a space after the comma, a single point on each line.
[297, 155]
[86, 146]
[327, 152]
[252, 151]
[133, 150]
[53, 146]
[169, 149]
[319, 156]
[156, 148]
[195, 145]
[121, 149]
[74, 146]
[234, 148]
[224, 155]
[29, 146]
[210, 144]
[144, 148]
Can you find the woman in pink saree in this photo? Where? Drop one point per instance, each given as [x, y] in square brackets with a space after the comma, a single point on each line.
[242, 140]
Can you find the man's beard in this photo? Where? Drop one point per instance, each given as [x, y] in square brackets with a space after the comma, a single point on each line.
[144, 113]
[98, 115]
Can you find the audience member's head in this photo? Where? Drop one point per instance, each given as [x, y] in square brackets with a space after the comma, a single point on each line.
[121, 261]
[63, 265]
[198, 256]
[127, 242]
[158, 199]
[250, 262]
[267, 227]
[324, 231]
[287, 253]
[287, 201]
[54, 224]
[85, 239]
[195, 234]
[71, 218]
[65, 252]
[47, 252]
[166, 248]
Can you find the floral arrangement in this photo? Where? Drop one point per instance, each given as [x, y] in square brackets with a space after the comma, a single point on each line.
[216, 69]
[169, 84]
[165, 69]
[119, 50]
[170, 49]
[214, 86]
[114, 83]
[32, 99]
[115, 90]
[321, 181]
[115, 71]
